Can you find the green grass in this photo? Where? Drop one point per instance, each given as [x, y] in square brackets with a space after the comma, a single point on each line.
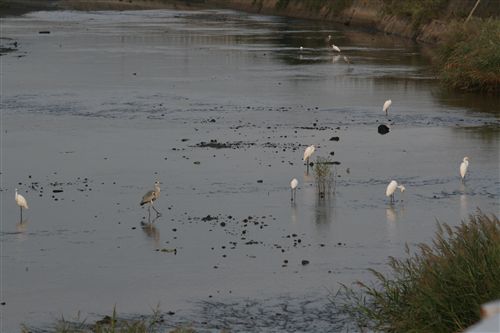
[469, 57]
[438, 289]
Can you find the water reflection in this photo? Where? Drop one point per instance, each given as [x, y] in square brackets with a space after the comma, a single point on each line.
[21, 228]
[324, 209]
[393, 216]
[488, 134]
[464, 207]
[152, 232]
[293, 212]
[471, 102]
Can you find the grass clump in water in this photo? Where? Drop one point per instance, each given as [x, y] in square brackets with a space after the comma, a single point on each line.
[469, 56]
[324, 176]
[113, 324]
[440, 288]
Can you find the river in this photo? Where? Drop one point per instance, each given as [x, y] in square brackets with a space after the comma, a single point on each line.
[219, 107]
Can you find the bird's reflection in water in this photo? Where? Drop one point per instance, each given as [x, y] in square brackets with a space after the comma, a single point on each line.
[151, 231]
[294, 212]
[464, 210]
[21, 228]
[393, 216]
[308, 178]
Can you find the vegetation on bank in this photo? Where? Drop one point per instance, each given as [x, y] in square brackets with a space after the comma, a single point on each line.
[114, 324]
[469, 57]
[438, 289]
[417, 12]
[333, 7]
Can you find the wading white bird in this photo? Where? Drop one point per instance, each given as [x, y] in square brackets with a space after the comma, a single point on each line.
[335, 48]
[386, 106]
[151, 196]
[391, 188]
[307, 153]
[21, 202]
[463, 167]
[293, 188]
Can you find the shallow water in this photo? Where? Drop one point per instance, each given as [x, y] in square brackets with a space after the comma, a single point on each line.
[109, 102]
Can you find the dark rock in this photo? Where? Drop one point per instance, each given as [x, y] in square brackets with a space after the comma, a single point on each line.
[44, 32]
[383, 129]
[334, 138]
[305, 262]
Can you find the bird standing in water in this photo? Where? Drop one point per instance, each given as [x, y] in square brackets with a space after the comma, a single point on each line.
[21, 202]
[293, 188]
[391, 188]
[386, 106]
[463, 167]
[151, 196]
[307, 154]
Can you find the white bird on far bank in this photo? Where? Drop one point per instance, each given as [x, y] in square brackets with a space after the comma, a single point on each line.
[21, 202]
[386, 106]
[335, 48]
[391, 188]
[293, 188]
[463, 167]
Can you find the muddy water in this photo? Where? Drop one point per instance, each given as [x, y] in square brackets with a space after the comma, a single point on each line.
[109, 102]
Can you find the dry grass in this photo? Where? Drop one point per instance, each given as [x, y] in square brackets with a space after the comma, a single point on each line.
[469, 57]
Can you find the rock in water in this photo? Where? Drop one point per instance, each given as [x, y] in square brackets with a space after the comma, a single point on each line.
[383, 129]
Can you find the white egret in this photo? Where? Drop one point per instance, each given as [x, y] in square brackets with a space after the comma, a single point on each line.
[391, 188]
[329, 38]
[335, 48]
[347, 60]
[151, 196]
[21, 202]
[386, 106]
[307, 153]
[301, 48]
[293, 187]
[463, 167]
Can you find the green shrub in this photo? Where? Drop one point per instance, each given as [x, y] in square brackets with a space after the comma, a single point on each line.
[440, 288]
